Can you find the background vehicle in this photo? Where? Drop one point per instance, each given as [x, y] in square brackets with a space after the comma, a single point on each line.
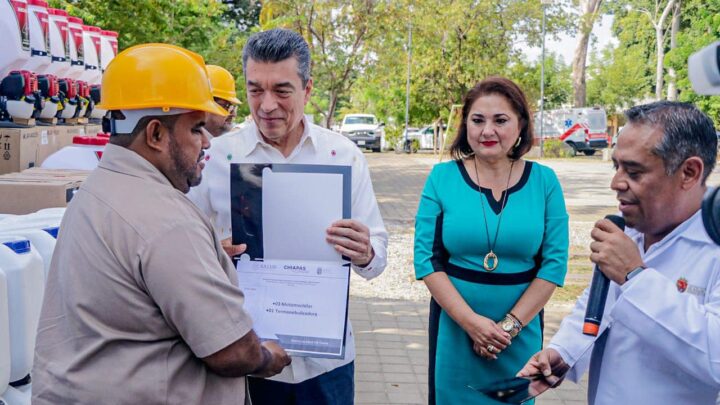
[364, 130]
[407, 142]
[418, 139]
[582, 129]
[425, 137]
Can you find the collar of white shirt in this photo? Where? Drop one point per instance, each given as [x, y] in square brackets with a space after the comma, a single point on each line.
[259, 141]
[691, 229]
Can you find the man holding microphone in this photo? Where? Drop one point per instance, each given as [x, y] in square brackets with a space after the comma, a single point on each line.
[659, 340]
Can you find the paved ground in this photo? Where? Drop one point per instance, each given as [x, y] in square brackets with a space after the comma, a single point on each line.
[392, 354]
[391, 335]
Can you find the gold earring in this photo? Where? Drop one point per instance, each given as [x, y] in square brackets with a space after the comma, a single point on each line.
[518, 142]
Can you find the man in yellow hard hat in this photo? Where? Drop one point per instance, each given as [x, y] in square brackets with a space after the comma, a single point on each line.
[142, 304]
[223, 90]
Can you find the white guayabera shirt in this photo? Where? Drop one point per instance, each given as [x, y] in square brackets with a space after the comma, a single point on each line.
[663, 327]
[317, 146]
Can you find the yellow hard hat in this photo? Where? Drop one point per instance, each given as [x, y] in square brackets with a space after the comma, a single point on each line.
[223, 83]
[157, 76]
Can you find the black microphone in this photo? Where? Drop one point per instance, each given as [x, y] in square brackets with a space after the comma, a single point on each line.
[598, 292]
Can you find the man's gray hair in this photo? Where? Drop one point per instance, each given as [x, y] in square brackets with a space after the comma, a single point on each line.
[276, 45]
[687, 132]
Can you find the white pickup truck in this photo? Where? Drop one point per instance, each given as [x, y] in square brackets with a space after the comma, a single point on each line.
[364, 130]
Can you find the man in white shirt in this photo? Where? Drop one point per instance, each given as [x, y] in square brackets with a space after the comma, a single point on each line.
[659, 340]
[276, 64]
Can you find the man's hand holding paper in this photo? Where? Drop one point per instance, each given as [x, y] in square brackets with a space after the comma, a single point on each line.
[351, 239]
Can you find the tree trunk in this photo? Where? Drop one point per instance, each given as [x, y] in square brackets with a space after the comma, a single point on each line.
[660, 44]
[589, 9]
[672, 92]
[578, 73]
[331, 109]
[659, 79]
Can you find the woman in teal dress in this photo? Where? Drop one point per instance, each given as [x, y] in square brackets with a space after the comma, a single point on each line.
[491, 244]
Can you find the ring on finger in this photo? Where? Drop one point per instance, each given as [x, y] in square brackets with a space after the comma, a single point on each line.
[491, 349]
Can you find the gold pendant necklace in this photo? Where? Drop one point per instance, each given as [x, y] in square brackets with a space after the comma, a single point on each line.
[491, 260]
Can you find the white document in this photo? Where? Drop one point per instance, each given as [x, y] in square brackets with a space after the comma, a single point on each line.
[300, 304]
[295, 282]
[297, 209]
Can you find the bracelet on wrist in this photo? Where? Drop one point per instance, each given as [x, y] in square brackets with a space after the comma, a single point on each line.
[516, 319]
[511, 325]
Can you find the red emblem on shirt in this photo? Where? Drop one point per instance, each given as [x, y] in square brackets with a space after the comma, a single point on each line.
[333, 153]
[682, 284]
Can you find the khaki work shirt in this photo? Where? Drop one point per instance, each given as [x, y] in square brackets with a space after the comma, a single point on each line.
[138, 291]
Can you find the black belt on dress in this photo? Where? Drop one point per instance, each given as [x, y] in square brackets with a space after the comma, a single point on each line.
[482, 277]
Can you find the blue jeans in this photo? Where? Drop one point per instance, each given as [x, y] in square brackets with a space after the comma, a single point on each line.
[336, 387]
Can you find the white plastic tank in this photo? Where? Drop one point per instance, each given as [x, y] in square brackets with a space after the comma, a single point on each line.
[23, 269]
[47, 217]
[108, 47]
[83, 154]
[18, 396]
[6, 216]
[75, 40]
[91, 49]
[4, 335]
[51, 212]
[42, 237]
[35, 220]
[39, 39]
[59, 42]
[15, 34]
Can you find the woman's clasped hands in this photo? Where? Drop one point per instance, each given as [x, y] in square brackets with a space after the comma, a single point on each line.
[488, 338]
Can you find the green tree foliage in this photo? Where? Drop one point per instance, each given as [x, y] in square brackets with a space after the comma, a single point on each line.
[700, 27]
[216, 30]
[626, 75]
[192, 24]
[342, 36]
[244, 14]
[360, 50]
[453, 47]
[616, 80]
[558, 81]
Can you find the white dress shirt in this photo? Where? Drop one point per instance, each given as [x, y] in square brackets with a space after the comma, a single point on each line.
[317, 146]
[663, 326]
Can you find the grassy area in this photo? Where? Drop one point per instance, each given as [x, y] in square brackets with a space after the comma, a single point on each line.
[578, 276]
[569, 293]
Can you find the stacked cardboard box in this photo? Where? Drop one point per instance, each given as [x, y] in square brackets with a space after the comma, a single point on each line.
[93, 129]
[23, 148]
[51, 139]
[18, 148]
[36, 188]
